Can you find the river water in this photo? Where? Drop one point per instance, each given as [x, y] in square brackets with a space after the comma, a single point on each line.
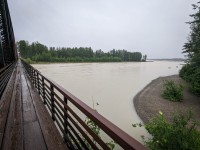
[110, 87]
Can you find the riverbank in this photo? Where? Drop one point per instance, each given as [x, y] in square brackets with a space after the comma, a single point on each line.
[149, 102]
[64, 62]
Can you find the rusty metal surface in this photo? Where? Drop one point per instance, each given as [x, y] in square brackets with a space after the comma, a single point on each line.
[47, 86]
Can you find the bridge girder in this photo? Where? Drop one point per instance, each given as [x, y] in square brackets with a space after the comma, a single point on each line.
[8, 52]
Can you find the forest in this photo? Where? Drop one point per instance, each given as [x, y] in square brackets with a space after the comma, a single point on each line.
[37, 52]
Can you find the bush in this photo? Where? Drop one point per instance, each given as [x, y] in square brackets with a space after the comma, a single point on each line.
[172, 91]
[181, 134]
[28, 60]
[183, 71]
[186, 72]
[195, 82]
[96, 129]
[191, 74]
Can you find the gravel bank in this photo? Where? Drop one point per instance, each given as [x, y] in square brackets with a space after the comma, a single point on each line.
[149, 101]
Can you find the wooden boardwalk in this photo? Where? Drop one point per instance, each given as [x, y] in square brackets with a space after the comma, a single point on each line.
[24, 120]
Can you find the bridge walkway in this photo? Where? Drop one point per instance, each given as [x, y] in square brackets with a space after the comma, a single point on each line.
[24, 122]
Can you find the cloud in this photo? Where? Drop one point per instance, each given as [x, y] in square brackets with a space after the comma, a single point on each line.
[156, 27]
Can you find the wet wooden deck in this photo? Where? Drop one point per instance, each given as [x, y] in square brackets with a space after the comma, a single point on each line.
[24, 121]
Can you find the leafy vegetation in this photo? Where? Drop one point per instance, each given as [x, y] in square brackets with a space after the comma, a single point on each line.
[40, 53]
[172, 91]
[95, 128]
[191, 71]
[28, 60]
[180, 134]
[191, 74]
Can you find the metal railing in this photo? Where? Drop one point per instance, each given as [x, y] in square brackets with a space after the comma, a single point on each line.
[5, 74]
[77, 134]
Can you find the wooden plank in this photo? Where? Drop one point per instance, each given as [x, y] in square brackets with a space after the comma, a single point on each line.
[33, 137]
[14, 129]
[5, 104]
[53, 139]
[29, 114]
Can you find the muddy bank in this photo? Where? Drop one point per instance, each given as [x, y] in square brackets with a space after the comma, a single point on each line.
[149, 101]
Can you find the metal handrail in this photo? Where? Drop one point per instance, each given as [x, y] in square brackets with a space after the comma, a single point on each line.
[5, 74]
[74, 130]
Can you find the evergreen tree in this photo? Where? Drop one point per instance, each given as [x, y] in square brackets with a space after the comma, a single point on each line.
[191, 71]
[192, 47]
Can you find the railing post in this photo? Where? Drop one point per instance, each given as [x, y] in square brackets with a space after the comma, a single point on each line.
[33, 77]
[32, 71]
[65, 120]
[43, 91]
[38, 83]
[29, 71]
[52, 102]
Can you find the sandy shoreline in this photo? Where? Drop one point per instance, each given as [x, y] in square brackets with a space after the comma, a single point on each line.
[149, 101]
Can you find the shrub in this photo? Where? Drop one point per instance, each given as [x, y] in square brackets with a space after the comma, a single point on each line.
[183, 71]
[28, 60]
[181, 134]
[187, 71]
[96, 129]
[172, 91]
[195, 82]
[191, 74]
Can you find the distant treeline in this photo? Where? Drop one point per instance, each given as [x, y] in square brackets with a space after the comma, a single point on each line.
[38, 52]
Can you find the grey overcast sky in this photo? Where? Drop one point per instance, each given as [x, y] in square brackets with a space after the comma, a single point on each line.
[154, 27]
